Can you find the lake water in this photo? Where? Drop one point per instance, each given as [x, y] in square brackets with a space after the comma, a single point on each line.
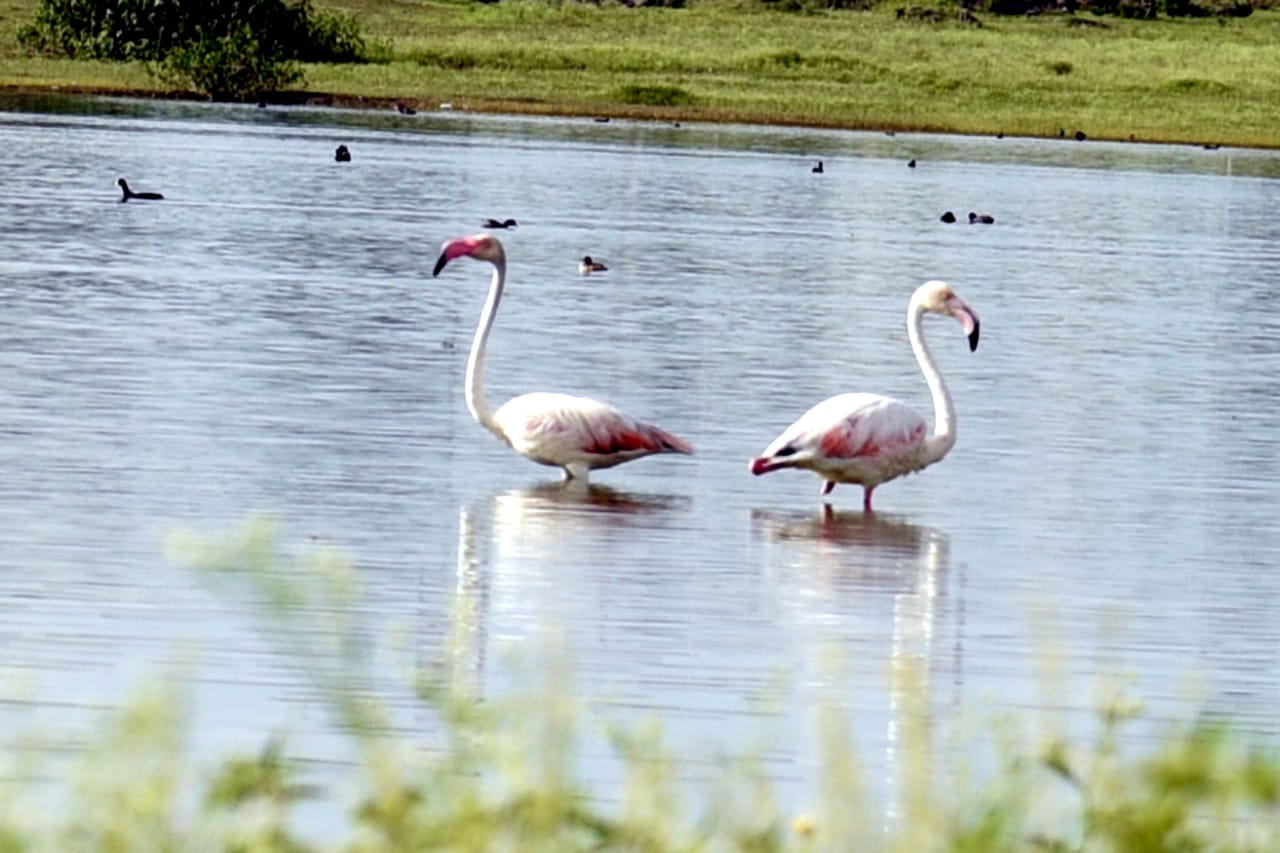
[269, 340]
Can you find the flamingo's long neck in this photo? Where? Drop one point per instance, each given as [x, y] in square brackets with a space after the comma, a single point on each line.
[475, 361]
[944, 413]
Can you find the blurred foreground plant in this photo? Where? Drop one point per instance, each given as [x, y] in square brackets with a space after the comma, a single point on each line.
[501, 779]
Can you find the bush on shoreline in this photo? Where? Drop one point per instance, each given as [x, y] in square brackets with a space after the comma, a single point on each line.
[228, 49]
[234, 67]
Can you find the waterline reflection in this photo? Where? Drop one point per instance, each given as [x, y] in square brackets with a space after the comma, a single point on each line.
[834, 569]
[534, 555]
[875, 587]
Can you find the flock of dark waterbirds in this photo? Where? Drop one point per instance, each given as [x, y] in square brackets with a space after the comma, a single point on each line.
[974, 218]
[342, 154]
[947, 216]
[985, 218]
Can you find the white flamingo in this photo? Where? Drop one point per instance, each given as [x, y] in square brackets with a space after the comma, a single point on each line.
[573, 433]
[869, 439]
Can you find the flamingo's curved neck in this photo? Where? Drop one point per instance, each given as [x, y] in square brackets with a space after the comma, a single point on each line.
[944, 413]
[475, 361]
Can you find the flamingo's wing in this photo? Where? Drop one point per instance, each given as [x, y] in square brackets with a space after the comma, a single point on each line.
[848, 427]
[563, 429]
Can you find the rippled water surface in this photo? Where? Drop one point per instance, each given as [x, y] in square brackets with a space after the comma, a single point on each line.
[269, 339]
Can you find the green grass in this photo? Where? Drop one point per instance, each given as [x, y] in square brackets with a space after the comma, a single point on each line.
[729, 60]
[499, 775]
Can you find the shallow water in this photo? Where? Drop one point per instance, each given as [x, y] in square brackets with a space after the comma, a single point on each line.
[269, 339]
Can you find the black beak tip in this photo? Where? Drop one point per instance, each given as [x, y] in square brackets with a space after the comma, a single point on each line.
[973, 338]
[440, 262]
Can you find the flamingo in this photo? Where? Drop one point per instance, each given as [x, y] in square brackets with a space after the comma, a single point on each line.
[576, 434]
[869, 439]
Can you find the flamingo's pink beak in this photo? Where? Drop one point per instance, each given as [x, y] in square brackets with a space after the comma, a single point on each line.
[968, 320]
[761, 465]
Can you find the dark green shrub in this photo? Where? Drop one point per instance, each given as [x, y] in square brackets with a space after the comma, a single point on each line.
[332, 38]
[1208, 8]
[786, 59]
[1123, 8]
[1195, 85]
[819, 5]
[931, 15]
[234, 67]
[150, 29]
[228, 49]
[654, 96]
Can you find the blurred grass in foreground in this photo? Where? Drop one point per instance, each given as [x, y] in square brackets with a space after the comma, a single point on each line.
[500, 776]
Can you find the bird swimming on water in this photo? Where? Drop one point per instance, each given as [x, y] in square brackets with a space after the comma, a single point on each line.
[505, 223]
[342, 155]
[981, 218]
[589, 266]
[127, 193]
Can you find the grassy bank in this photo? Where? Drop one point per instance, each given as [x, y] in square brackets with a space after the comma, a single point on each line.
[1186, 80]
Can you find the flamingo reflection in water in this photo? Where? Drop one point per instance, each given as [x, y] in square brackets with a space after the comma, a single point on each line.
[835, 558]
[840, 574]
[515, 541]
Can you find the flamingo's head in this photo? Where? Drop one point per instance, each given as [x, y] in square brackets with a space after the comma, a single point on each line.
[938, 298]
[482, 247]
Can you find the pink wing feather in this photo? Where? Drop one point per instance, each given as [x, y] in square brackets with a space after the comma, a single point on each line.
[561, 429]
[882, 428]
[622, 434]
[848, 427]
